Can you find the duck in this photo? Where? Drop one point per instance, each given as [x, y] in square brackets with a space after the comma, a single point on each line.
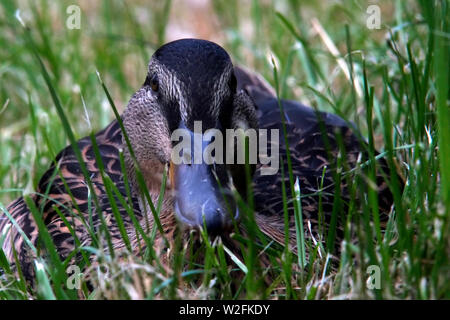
[190, 81]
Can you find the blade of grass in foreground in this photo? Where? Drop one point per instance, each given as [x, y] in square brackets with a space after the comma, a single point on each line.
[106, 181]
[58, 273]
[287, 261]
[301, 248]
[44, 287]
[18, 228]
[442, 57]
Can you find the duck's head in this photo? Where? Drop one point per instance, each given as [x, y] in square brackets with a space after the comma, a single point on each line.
[188, 80]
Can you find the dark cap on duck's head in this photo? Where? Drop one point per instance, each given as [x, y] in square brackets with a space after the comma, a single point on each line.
[188, 80]
[194, 57]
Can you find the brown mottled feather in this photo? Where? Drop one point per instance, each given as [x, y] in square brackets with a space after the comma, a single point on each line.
[309, 156]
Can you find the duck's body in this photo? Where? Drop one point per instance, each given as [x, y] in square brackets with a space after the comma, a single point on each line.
[308, 154]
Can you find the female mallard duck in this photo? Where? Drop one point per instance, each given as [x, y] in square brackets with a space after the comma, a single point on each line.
[188, 80]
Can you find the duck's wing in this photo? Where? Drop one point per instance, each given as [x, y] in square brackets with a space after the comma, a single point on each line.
[63, 194]
[67, 190]
[309, 133]
[19, 232]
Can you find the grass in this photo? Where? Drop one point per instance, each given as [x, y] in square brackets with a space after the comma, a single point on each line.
[393, 83]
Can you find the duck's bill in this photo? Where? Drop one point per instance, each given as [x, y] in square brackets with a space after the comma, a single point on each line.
[203, 198]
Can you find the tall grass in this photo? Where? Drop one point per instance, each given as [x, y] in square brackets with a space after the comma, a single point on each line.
[392, 83]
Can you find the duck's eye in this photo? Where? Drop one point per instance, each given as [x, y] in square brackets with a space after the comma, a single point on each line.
[152, 81]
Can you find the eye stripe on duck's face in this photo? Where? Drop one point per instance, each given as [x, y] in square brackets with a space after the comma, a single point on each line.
[171, 88]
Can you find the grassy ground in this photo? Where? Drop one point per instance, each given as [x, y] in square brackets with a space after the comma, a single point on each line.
[393, 82]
